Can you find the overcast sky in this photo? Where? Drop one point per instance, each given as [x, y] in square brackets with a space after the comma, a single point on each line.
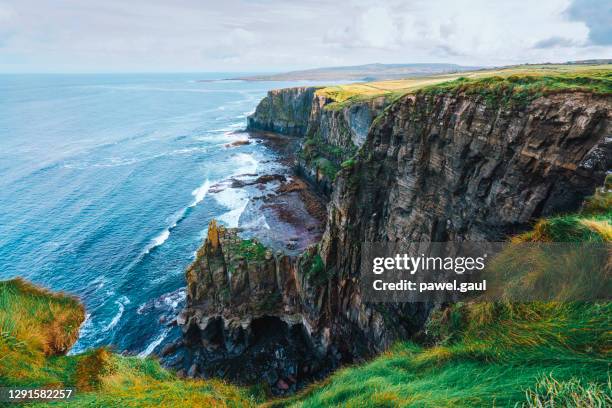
[280, 35]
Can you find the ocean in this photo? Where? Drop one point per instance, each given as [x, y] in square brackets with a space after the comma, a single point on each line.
[103, 189]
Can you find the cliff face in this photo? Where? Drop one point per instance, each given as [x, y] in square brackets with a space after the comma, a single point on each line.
[331, 136]
[432, 167]
[341, 126]
[250, 314]
[450, 167]
[283, 111]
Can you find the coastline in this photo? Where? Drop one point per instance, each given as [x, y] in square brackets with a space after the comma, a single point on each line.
[283, 210]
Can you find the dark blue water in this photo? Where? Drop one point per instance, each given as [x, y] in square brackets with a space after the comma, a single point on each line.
[103, 189]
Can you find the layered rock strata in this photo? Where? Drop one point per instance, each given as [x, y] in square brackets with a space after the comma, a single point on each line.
[430, 167]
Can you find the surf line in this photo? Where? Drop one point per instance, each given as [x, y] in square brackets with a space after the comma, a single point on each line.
[199, 194]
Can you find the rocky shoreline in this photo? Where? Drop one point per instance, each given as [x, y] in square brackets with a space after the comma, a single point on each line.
[285, 211]
[294, 211]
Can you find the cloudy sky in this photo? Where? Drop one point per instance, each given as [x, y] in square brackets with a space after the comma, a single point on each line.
[279, 35]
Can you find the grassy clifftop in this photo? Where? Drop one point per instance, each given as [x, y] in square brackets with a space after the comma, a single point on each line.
[527, 79]
[37, 327]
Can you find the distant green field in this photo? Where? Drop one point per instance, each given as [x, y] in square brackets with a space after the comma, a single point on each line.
[595, 78]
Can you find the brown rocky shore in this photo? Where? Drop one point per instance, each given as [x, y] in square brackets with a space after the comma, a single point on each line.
[429, 166]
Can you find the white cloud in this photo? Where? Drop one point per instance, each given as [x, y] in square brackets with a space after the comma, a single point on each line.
[188, 35]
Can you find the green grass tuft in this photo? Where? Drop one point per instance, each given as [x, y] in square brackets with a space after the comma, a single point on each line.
[252, 250]
[550, 393]
[519, 90]
[38, 327]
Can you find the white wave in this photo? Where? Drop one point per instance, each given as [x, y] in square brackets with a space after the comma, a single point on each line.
[84, 329]
[154, 344]
[199, 193]
[189, 150]
[178, 216]
[258, 222]
[236, 201]
[231, 218]
[229, 128]
[246, 163]
[158, 240]
[166, 302]
[173, 299]
[161, 238]
[121, 304]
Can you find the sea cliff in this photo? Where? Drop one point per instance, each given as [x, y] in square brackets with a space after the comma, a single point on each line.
[452, 163]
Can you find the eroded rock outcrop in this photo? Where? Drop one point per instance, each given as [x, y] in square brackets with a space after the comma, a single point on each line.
[249, 315]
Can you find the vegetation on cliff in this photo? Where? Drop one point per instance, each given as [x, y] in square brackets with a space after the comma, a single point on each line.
[38, 327]
[35, 326]
[480, 354]
[520, 89]
[524, 80]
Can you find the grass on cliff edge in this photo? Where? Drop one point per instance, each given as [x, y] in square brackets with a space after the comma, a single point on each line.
[536, 78]
[37, 327]
[503, 354]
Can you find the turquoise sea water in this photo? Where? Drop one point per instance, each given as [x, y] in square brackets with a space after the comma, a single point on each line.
[103, 189]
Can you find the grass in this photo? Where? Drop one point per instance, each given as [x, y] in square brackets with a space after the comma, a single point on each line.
[520, 89]
[252, 250]
[117, 381]
[314, 269]
[500, 352]
[35, 325]
[550, 393]
[39, 326]
[530, 79]
[324, 157]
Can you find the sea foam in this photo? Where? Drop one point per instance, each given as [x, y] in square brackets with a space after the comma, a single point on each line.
[121, 302]
[154, 344]
[199, 193]
[158, 240]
